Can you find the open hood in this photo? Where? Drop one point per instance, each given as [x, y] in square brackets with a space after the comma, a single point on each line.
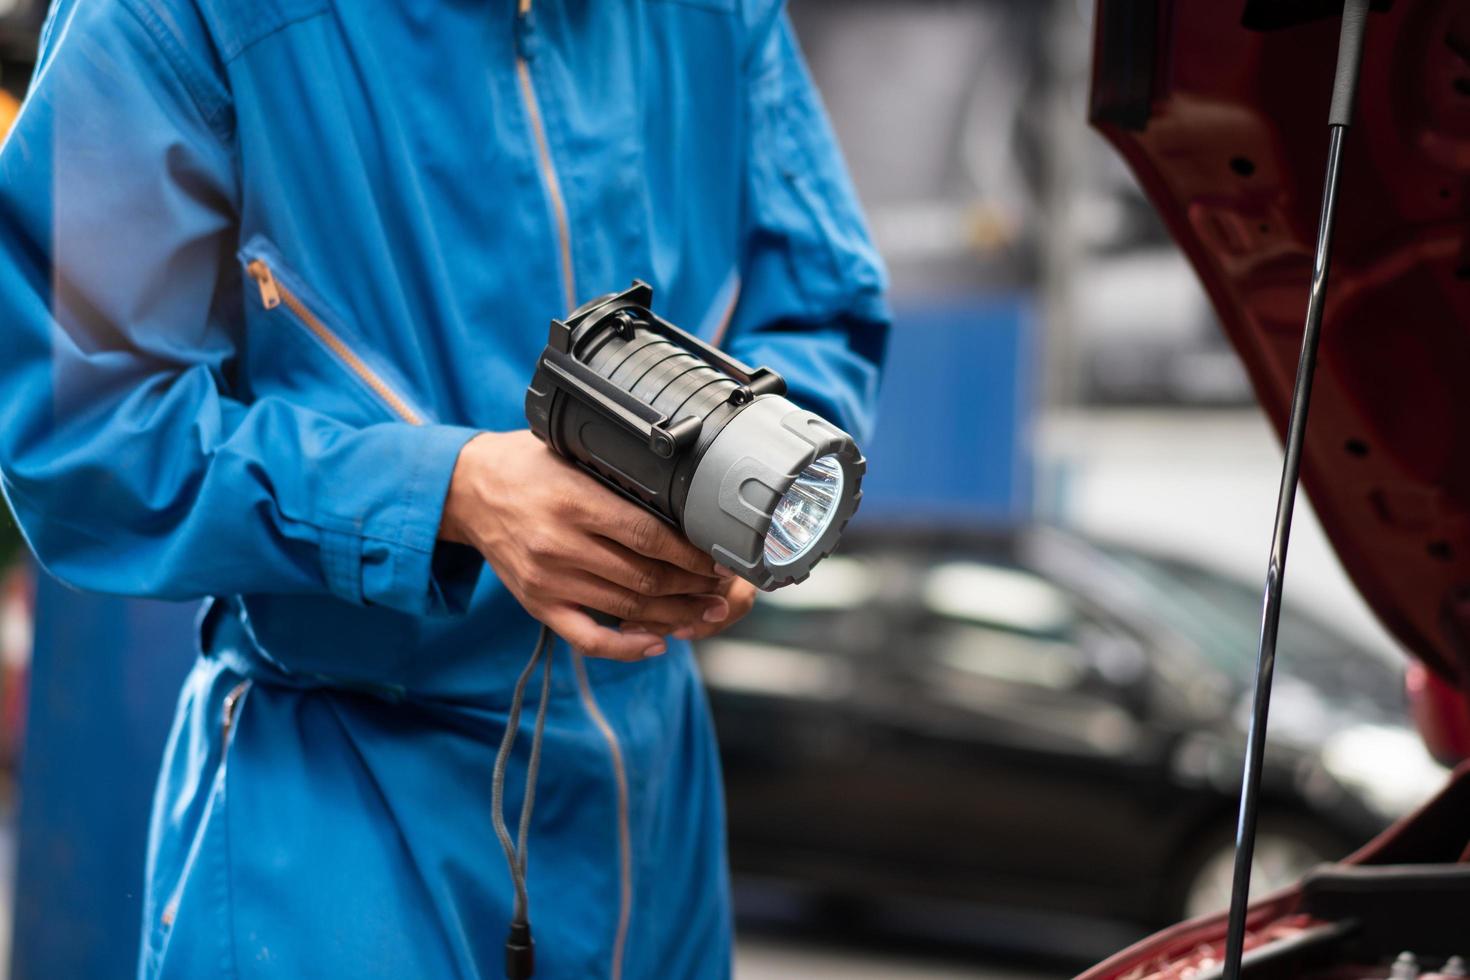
[1220, 109]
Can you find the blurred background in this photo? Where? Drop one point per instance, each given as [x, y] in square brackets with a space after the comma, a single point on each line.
[1000, 734]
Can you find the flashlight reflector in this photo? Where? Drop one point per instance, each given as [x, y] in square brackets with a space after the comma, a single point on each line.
[804, 512]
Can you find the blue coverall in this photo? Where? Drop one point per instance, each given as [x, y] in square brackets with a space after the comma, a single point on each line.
[265, 266]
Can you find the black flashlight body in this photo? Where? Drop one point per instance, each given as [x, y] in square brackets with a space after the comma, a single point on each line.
[638, 402]
[634, 399]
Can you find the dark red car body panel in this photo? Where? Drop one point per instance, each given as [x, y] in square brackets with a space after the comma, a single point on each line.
[1433, 835]
[1220, 109]
[1226, 129]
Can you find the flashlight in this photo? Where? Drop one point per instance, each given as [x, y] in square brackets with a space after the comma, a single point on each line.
[691, 434]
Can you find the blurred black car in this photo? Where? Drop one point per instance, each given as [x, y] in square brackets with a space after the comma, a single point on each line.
[1035, 721]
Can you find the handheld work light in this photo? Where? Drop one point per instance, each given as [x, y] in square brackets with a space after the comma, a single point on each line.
[710, 445]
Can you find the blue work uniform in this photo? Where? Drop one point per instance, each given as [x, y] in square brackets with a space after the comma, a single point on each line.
[265, 267]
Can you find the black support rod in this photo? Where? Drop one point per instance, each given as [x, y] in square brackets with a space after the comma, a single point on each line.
[1349, 54]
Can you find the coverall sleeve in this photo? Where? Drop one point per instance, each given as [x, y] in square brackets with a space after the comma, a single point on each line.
[812, 303]
[129, 465]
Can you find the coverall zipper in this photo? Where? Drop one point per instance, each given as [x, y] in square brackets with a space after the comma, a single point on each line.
[625, 837]
[543, 156]
[273, 293]
[569, 288]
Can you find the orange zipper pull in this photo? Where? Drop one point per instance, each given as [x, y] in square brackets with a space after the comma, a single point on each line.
[270, 293]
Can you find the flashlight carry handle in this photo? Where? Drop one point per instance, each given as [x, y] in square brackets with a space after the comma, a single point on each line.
[636, 300]
[753, 381]
[663, 436]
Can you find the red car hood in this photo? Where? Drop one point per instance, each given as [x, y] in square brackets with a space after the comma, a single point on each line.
[1220, 109]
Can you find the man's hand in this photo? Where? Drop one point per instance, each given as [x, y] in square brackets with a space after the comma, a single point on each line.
[563, 544]
[738, 593]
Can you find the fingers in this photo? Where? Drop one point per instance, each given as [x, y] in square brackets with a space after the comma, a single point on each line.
[739, 597]
[673, 612]
[648, 535]
[580, 501]
[648, 576]
[578, 629]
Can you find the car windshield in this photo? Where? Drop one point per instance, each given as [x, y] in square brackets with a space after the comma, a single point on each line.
[1221, 617]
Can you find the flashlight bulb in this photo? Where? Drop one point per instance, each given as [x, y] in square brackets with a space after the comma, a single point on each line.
[803, 514]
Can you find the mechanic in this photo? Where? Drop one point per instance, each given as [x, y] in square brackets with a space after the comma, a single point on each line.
[275, 275]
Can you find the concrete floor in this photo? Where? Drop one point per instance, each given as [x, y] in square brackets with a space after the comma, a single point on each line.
[771, 958]
[782, 934]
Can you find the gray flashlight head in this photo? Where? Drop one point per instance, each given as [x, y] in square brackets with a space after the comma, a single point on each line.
[773, 492]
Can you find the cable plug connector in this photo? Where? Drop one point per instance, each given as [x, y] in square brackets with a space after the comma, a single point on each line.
[520, 952]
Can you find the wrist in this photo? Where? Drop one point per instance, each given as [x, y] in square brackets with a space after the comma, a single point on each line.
[468, 497]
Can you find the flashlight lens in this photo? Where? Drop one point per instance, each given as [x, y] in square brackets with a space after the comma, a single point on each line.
[804, 513]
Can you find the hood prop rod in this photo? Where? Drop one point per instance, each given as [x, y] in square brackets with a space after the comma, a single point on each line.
[1349, 55]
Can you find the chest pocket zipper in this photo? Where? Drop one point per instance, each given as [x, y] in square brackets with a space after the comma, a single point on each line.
[274, 294]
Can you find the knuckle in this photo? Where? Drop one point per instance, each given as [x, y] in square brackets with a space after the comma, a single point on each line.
[646, 533]
[627, 606]
[568, 503]
[650, 581]
[535, 579]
